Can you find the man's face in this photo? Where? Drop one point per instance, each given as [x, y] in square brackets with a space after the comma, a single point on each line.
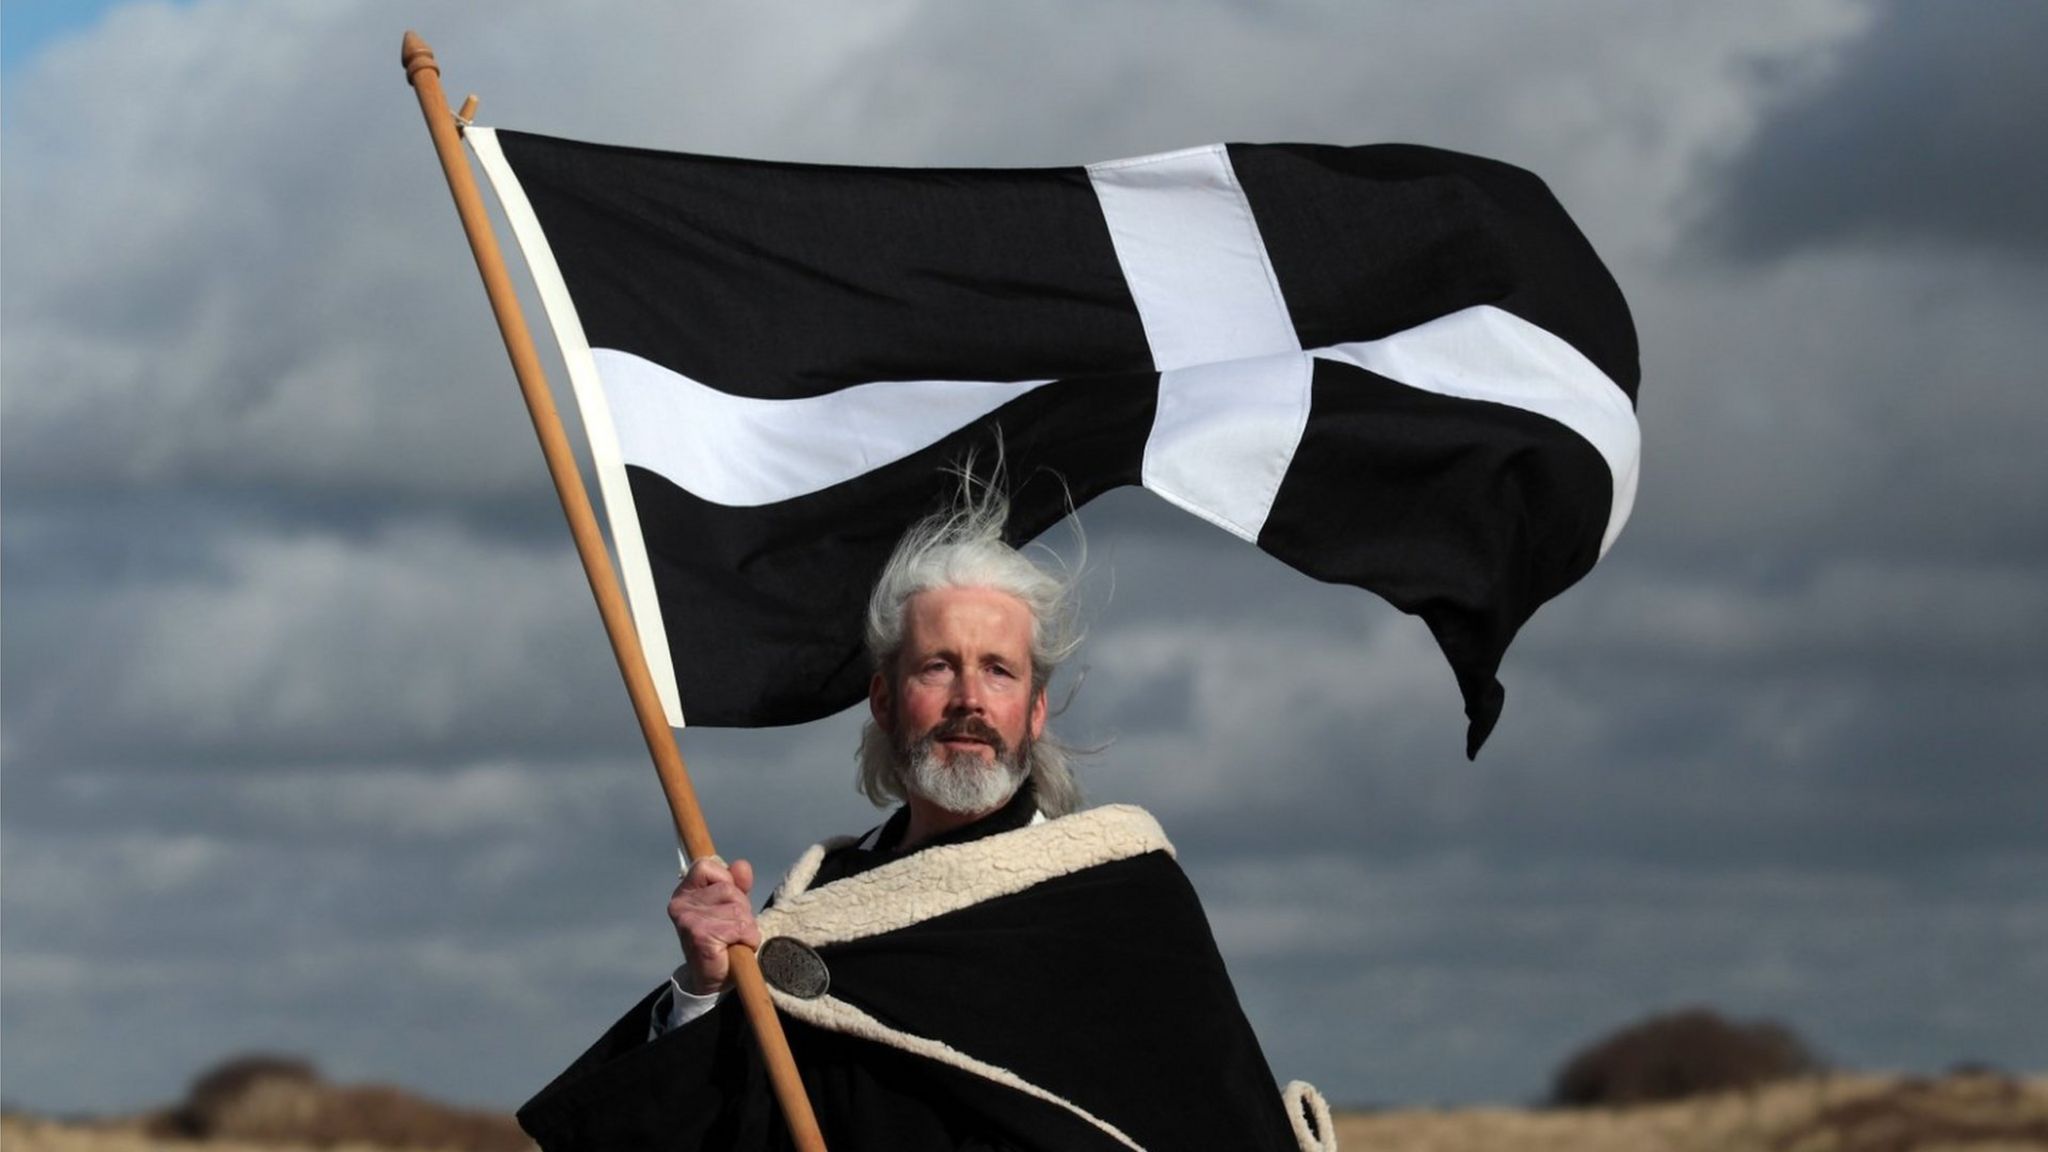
[961, 691]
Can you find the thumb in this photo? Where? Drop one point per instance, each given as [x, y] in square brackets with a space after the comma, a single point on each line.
[743, 876]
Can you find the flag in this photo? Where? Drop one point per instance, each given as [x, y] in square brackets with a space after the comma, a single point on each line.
[1389, 366]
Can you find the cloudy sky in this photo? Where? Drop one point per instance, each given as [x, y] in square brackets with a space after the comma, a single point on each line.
[311, 738]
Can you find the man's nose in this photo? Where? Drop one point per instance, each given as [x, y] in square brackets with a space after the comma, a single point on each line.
[967, 693]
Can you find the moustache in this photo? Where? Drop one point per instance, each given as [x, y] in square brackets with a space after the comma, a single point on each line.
[969, 728]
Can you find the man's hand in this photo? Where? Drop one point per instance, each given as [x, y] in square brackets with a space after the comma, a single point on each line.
[711, 913]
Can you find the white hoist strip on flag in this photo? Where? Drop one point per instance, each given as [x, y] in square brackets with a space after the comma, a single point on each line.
[598, 425]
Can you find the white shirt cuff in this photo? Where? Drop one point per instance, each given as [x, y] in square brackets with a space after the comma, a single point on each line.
[679, 1006]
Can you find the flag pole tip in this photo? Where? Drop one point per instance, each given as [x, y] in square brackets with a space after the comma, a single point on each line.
[415, 55]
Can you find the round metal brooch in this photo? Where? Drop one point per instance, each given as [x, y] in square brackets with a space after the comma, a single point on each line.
[793, 967]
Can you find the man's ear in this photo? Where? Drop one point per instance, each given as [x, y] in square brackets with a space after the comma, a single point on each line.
[1038, 715]
[878, 704]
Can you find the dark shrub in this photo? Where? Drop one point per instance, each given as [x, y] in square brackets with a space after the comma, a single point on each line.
[220, 1090]
[1687, 1053]
[281, 1100]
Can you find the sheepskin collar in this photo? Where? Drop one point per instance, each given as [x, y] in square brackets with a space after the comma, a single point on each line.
[948, 877]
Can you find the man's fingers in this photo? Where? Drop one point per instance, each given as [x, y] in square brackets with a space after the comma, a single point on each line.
[707, 871]
[687, 914]
[711, 913]
[722, 903]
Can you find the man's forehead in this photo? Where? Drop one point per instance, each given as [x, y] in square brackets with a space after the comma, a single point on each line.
[985, 612]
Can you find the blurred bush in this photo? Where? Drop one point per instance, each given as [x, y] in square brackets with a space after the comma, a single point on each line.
[1672, 1056]
[275, 1099]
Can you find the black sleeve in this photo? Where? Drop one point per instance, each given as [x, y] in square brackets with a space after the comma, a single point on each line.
[703, 1087]
[696, 1086]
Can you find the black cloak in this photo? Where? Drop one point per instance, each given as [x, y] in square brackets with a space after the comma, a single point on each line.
[1049, 986]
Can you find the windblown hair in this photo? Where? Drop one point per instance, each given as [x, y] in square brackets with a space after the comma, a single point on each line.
[963, 547]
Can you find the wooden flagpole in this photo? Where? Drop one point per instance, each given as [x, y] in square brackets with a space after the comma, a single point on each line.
[424, 73]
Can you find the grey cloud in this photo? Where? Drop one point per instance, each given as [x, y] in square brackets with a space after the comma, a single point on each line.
[356, 914]
[229, 297]
[1870, 716]
[320, 951]
[263, 284]
[310, 645]
[1925, 129]
[1454, 951]
[1875, 404]
[1841, 614]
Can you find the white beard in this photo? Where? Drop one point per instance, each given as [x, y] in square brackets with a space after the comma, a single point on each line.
[962, 783]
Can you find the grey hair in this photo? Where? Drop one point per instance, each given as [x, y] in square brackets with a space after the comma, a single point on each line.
[962, 546]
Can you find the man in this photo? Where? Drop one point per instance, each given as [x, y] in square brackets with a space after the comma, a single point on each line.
[989, 969]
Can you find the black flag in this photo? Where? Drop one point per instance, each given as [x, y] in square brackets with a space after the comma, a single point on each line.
[1390, 366]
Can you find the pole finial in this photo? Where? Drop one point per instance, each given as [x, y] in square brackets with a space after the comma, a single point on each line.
[415, 55]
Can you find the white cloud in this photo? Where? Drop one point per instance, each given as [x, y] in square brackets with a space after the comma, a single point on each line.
[502, 800]
[319, 645]
[149, 865]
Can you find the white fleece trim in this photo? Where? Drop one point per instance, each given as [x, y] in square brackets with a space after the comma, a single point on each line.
[839, 1016]
[805, 869]
[1302, 1101]
[951, 877]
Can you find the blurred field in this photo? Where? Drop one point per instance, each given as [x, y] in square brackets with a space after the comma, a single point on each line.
[25, 1134]
[1977, 1113]
[1958, 1113]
